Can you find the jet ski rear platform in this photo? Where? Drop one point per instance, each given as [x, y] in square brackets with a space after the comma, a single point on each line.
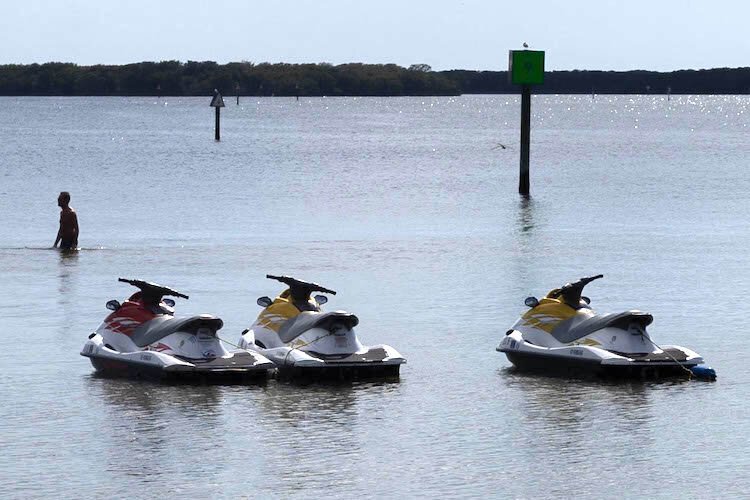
[374, 363]
[332, 372]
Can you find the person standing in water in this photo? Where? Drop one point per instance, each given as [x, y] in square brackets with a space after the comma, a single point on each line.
[67, 235]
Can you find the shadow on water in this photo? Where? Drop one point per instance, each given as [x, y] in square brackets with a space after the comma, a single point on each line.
[144, 397]
[319, 426]
[572, 424]
[147, 422]
[295, 405]
[566, 409]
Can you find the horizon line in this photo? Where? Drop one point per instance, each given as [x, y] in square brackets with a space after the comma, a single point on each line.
[324, 63]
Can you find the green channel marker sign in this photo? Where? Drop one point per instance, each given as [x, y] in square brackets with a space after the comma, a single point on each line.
[526, 67]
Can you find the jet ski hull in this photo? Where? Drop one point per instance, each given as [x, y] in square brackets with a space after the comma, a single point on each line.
[564, 366]
[112, 368]
[240, 367]
[334, 372]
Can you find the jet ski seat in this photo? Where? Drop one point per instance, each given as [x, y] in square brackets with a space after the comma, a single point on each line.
[567, 332]
[161, 326]
[305, 320]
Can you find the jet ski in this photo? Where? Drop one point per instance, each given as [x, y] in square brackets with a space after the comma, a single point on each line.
[143, 338]
[561, 335]
[305, 342]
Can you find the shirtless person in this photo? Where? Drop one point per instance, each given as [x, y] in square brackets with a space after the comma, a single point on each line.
[67, 235]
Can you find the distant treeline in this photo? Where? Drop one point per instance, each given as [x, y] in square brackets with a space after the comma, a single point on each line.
[174, 78]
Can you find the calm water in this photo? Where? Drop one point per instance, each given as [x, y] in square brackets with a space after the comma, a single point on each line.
[408, 208]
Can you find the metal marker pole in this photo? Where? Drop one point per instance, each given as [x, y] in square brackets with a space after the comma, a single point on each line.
[523, 180]
[217, 128]
[218, 103]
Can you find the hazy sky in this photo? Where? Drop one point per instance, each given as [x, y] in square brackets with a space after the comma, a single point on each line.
[660, 35]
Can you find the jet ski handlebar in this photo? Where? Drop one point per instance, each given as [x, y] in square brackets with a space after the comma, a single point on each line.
[571, 292]
[153, 289]
[299, 286]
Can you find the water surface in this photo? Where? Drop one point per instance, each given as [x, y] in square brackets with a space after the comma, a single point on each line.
[408, 208]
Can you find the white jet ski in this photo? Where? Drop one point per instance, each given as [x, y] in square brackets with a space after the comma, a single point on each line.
[143, 338]
[305, 342]
[562, 335]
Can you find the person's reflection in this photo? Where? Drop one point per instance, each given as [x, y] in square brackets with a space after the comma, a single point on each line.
[67, 287]
[67, 265]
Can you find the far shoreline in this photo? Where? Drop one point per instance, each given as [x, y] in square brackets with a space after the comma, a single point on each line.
[177, 79]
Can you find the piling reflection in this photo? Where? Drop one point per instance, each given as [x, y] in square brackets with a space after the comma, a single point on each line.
[527, 246]
[525, 220]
